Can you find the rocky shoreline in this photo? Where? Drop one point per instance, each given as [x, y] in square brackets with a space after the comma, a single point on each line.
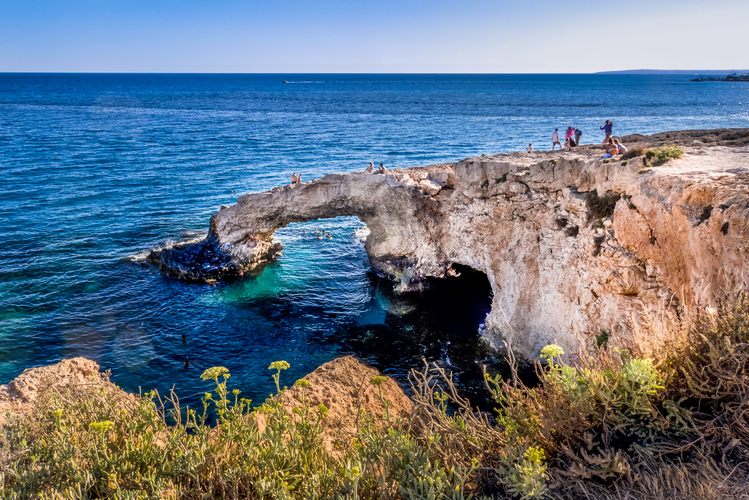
[572, 245]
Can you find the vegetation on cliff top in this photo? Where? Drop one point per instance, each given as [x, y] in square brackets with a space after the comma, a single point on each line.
[654, 157]
[659, 419]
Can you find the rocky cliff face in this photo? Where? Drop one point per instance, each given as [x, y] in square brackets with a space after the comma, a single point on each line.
[572, 245]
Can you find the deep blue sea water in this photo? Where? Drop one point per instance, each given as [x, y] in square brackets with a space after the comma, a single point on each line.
[95, 170]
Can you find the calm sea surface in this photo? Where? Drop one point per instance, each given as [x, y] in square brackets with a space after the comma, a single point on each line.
[95, 170]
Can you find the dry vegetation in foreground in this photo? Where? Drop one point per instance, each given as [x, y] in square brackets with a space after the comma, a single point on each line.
[665, 421]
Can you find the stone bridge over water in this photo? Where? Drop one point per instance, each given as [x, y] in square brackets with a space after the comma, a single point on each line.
[563, 265]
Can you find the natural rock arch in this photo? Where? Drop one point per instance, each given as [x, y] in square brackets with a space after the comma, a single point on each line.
[396, 207]
[559, 271]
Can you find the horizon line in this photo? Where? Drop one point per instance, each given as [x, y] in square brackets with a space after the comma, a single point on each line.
[630, 71]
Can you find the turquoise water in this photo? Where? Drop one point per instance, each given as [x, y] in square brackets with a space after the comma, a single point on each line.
[99, 169]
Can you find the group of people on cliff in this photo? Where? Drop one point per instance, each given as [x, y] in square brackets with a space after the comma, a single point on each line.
[297, 178]
[371, 169]
[572, 140]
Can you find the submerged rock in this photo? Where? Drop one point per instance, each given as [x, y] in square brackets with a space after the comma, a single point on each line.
[572, 245]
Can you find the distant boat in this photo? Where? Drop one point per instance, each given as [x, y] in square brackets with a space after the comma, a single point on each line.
[285, 81]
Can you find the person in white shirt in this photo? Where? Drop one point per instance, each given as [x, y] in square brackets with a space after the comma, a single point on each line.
[530, 148]
[555, 140]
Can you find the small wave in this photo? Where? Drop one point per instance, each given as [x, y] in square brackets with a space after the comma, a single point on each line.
[362, 233]
[185, 238]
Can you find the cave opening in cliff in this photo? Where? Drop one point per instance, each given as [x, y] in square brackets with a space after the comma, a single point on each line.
[440, 323]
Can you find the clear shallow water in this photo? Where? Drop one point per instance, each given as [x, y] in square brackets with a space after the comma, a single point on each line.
[96, 169]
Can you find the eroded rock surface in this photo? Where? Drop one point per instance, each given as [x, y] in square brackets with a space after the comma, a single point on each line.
[561, 267]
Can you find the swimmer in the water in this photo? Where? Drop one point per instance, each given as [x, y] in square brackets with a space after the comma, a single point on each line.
[330, 236]
[317, 230]
[323, 232]
[319, 236]
[304, 231]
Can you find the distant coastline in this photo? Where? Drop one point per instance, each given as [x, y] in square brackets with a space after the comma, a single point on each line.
[690, 72]
[733, 77]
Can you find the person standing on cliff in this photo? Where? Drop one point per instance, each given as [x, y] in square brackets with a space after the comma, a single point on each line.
[568, 134]
[607, 128]
[529, 148]
[293, 178]
[555, 139]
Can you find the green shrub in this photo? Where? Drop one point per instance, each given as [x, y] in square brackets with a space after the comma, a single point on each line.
[88, 445]
[661, 155]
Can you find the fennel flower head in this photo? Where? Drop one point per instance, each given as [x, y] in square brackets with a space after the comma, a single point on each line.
[551, 351]
[279, 365]
[213, 373]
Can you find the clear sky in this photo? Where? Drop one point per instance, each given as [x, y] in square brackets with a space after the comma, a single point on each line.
[378, 36]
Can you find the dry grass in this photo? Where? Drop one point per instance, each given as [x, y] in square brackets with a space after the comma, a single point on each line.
[634, 152]
[666, 417]
[600, 207]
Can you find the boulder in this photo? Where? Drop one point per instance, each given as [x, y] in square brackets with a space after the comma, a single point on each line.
[429, 187]
[343, 386]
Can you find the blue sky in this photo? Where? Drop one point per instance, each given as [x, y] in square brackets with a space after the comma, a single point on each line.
[382, 36]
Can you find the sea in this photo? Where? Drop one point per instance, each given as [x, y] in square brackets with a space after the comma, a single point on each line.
[96, 170]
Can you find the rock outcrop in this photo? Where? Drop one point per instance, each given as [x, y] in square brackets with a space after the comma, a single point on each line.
[572, 245]
[67, 376]
[343, 386]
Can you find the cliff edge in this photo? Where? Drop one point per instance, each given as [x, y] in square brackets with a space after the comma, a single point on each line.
[572, 245]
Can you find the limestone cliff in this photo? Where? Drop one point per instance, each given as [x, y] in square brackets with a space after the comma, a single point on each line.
[572, 245]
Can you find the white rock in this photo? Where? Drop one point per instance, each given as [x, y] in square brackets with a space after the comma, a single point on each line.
[430, 187]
